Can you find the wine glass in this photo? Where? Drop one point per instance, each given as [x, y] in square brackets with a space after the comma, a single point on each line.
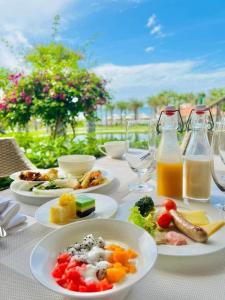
[141, 151]
[218, 158]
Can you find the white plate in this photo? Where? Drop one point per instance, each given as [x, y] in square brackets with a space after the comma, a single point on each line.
[215, 243]
[105, 207]
[34, 199]
[43, 256]
[15, 176]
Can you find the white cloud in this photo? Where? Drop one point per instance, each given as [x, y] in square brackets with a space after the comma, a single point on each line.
[157, 30]
[149, 49]
[23, 22]
[144, 80]
[151, 21]
[154, 26]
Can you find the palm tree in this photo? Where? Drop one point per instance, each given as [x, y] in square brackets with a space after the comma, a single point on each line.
[110, 107]
[134, 106]
[122, 106]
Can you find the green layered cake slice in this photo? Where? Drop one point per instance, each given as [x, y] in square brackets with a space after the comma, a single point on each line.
[85, 205]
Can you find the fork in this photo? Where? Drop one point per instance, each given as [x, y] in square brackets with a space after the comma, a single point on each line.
[3, 232]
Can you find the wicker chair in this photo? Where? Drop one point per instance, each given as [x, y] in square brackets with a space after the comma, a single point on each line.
[12, 158]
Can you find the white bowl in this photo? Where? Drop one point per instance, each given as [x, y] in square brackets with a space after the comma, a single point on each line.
[44, 255]
[76, 165]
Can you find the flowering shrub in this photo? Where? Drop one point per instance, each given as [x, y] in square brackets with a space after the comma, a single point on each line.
[16, 104]
[56, 99]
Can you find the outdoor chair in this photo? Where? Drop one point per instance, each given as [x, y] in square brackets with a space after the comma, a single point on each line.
[12, 158]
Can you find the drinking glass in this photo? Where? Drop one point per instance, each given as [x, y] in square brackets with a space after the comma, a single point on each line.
[218, 158]
[141, 151]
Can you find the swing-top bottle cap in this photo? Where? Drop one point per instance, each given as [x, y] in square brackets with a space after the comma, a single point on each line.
[200, 108]
[170, 110]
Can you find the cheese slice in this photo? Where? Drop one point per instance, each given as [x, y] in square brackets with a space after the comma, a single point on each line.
[213, 227]
[196, 217]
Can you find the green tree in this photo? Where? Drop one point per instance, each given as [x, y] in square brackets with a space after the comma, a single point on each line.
[122, 107]
[135, 106]
[215, 95]
[53, 58]
[4, 78]
[110, 107]
[159, 101]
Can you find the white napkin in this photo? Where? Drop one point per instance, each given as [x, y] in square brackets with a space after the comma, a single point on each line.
[18, 219]
[9, 214]
[3, 204]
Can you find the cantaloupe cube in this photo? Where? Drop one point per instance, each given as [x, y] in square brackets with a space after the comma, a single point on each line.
[115, 274]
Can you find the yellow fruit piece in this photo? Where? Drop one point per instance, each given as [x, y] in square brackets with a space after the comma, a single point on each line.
[64, 211]
[115, 274]
[213, 227]
[132, 253]
[196, 217]
[132, 268]
[66, 199]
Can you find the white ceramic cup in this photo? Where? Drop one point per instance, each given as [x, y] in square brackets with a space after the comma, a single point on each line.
[76, 165]
[114, 149]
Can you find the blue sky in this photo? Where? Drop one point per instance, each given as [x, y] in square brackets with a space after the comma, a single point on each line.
[140, 46]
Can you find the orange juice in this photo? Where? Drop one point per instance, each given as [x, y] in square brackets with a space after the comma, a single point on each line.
[169, 179]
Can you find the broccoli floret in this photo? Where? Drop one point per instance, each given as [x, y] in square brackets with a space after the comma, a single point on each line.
[145, 205]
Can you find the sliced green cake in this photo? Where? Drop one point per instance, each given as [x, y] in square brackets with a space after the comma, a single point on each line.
[85, 205]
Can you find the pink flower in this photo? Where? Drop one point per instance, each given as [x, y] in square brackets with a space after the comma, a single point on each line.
[23, 94]
[13, 100]
[28, 100]
[2, 106]
[46, 89]
[15, 78]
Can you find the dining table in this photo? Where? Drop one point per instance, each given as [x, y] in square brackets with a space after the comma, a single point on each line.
[185, 278]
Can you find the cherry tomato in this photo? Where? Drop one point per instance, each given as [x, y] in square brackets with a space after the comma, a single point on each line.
[169, 204]
[164, 219]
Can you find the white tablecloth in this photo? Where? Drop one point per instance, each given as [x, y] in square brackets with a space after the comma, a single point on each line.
[171, 278]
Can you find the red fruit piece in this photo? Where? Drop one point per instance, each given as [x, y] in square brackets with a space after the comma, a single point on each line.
[72, 286]
[57, 272]
[164, 219]
[63, 266]
[105, 285]
[63, 257]
[169, 204]
[73, 264]
[92, 286]
[74, 275]
[62, 282]
[82, 289]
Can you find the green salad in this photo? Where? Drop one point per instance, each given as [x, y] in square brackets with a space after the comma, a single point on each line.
[143, 214]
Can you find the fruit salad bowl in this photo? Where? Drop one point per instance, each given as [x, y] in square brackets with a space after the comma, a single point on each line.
[43, 257]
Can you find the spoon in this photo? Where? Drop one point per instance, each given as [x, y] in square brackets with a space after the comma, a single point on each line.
[3, 233]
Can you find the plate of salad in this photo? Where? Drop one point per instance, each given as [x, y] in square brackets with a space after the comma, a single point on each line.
[178, 229]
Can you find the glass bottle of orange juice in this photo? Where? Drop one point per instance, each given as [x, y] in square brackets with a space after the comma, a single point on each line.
[169, 157]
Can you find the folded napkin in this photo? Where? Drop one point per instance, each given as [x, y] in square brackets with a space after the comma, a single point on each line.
[3, 204]
[9, 214]
[18, 219]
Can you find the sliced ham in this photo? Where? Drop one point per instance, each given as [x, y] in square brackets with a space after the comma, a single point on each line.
[175, 238]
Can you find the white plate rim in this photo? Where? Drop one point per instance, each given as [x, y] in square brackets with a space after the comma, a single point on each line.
[109, 176]
[90, 217]
[195, 249]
